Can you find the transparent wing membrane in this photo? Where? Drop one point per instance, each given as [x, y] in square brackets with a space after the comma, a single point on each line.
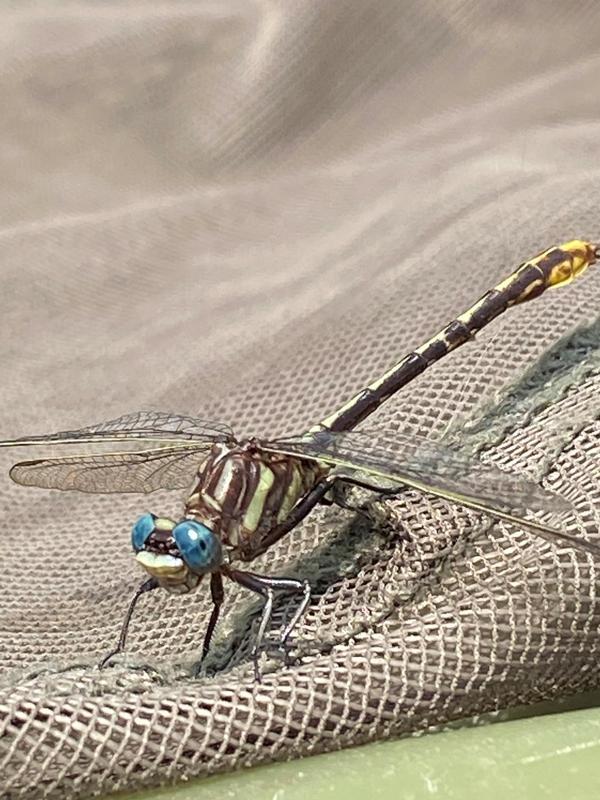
[135, 471]
[435, 469]
[386, 460]
[137, 426]
[180, 444]
[422, 459]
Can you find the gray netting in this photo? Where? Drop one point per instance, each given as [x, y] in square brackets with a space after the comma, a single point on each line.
[246, 211]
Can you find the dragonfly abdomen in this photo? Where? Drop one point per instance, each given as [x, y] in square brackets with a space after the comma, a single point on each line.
[243, 492]
[554, 267]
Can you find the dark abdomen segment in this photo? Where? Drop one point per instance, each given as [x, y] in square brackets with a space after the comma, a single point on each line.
[556, 266]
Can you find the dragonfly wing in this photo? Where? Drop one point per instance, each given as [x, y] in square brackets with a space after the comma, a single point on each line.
[435, 469]
[135, 471]
[138, 426]
[411, 459]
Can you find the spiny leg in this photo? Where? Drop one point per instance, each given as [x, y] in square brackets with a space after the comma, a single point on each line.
[338, 497]
[388, 492]
[217, 596]
[147, 586]
[266, 587]
[298, 614]
[255, 584]
[262, 629]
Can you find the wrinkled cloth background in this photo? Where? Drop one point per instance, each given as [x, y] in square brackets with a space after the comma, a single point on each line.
[245, 211]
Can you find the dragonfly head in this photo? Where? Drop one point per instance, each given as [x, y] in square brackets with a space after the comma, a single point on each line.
[176, 554]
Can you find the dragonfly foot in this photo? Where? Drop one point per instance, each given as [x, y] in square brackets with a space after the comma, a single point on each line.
[107, 659]
[361, 510]
[256, 663]
[281, 651]
[197, 668]
[286, 654]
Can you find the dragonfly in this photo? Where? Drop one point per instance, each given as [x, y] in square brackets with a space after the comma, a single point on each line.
[246, 494]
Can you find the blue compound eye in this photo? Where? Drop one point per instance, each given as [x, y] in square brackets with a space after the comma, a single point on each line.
[141, 531]
[198, 545]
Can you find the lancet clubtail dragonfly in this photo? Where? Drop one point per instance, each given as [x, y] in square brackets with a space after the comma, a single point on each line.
[248, 494]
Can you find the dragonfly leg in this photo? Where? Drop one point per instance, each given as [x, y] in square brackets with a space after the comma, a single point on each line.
[372, 487]
[339, 498]
[217, 595]
[298, 614]
[262, 628]
[147, 586]
[267, 587]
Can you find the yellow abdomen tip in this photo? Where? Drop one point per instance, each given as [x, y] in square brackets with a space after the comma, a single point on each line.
[579, 255]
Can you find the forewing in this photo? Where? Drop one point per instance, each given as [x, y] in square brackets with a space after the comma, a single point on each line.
[411, 459]
[137, 426]
[135, 471]
[433, 468]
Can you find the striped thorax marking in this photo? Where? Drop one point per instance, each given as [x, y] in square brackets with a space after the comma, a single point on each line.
[242, 492]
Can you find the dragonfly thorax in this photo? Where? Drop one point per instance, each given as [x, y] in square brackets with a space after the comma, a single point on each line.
[242, 491]
[176, 555]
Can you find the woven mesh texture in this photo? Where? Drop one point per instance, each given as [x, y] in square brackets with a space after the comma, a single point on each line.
[246, 212]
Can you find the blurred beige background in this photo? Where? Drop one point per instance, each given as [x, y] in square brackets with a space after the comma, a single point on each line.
[185, 183]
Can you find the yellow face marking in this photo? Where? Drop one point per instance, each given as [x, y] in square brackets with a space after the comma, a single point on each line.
[255, 508]
[160, 565]
[164, 524]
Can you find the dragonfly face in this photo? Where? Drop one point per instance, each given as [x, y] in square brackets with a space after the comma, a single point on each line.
[177, 555]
